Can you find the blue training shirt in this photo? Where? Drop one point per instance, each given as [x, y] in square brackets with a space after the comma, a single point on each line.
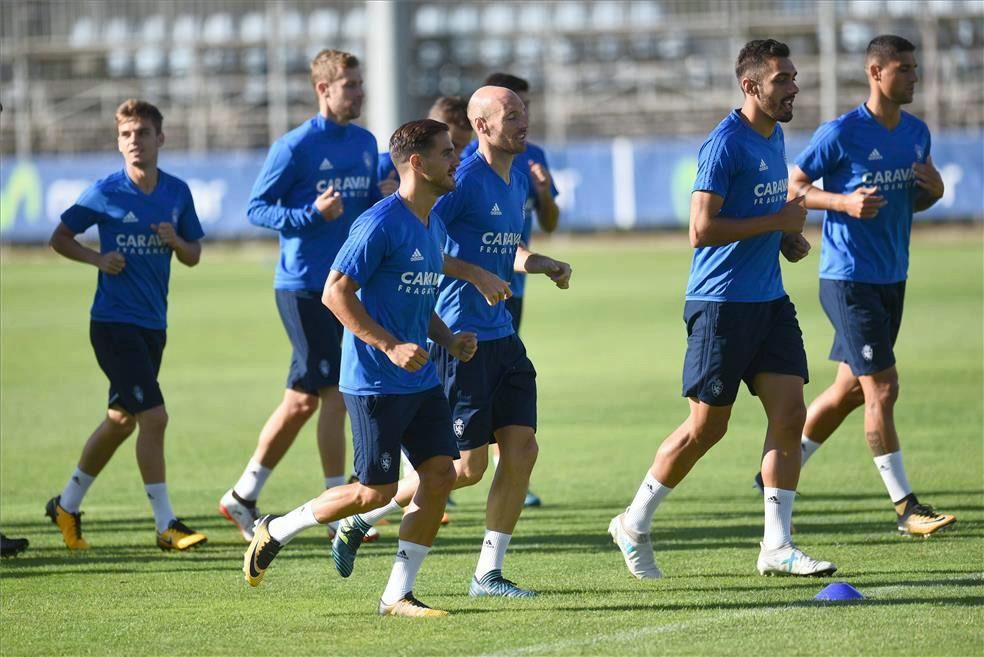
[398, 262]
[484, 220]
[386, 168]
[856, 150]
[522, 164]
[749, 172]
[300, 166]
[123, 214]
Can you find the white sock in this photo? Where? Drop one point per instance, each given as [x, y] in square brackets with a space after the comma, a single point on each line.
[252, 480]
[331, 482]
[638, 517]
[374, 516]
[808, 447]
[161, 504]
[409, 557]
[75, 489]
[493, 552]
[778, 517]
[893, 474]
[285, 528]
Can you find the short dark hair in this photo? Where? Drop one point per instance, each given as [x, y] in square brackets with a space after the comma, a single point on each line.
[886, 48]
[510, 82]
[139, 109]
[452, 110]
[752, 58]
[414, 137]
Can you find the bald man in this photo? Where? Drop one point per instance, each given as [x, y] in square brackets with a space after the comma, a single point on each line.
[492, 396]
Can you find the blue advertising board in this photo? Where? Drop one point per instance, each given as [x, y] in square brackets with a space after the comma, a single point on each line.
[604, 185]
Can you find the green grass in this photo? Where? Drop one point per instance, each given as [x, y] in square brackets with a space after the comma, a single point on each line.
[609, 354]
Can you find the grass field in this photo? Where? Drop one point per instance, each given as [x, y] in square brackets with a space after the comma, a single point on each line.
[608, 353]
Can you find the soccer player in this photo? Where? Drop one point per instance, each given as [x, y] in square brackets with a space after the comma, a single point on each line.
[383, 288]
[876, 168]
[450, 110]
[741, 325]
[532, 163]
[144, 215]
[316, 180]
[492, 396]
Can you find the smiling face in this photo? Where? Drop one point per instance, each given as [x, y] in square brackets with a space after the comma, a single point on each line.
[139, 142]
[505, 124]
[775, 89]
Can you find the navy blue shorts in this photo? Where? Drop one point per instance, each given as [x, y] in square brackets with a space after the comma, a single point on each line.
[728, 343]
[866, 319]
[130, 356]
[515, 307]
[495, 389]
[316, 336]
[419, 423]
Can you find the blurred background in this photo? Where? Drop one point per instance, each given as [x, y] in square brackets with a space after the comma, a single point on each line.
[623, 92]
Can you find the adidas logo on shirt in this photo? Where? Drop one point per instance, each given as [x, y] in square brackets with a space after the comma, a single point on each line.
[416, 257]
[326, 164]
[763, 166]
[875, 155]
[130, 218]
[495, 212]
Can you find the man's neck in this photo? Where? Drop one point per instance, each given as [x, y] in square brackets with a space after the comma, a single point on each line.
[325, 112]
[885, 111]
[419, 199]
[145, 179]
[756, 119]
[500, 161]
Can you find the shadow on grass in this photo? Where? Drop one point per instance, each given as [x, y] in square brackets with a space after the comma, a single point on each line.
[942, 601]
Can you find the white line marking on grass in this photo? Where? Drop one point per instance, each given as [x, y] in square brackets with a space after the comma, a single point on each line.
[654, 630]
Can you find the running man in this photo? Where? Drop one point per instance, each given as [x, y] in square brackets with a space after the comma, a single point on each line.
[741, 325]
[316, 180]
[532, 163]
[876, 168]
[383, 287]
[144, 215]
[492, 396]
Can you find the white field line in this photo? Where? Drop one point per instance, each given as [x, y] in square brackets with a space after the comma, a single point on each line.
[645, 632]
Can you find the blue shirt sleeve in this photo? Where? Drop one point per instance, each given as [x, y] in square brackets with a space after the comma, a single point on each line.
[363, 251]
[84, 213]
[716, 166]
[189, 227]
[274, 182]
[823, 154]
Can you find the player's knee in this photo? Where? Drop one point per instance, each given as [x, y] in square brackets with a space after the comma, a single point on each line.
[470, 473]
[153, 420]
[120, 423]
[440, 479]
[299, 405]
[885, 393]
[705, 434]
[373, 497]
[854, 397]
[789, 421]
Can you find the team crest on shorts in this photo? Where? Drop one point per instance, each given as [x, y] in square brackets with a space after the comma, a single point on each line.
[717, 387]
[867, 352]
[138, 393]
[459, 427]
[325, 367]
[385, 461]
